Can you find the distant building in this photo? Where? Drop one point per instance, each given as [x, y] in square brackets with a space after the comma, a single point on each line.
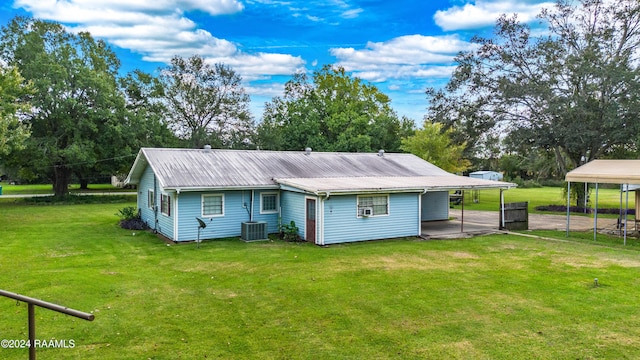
[486, 175]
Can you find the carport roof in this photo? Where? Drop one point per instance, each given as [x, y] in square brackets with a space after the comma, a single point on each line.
[391, 184]
[607, 171]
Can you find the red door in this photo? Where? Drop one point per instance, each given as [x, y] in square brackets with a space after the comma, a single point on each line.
[311, 221]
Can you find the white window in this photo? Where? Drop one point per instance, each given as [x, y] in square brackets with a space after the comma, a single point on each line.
[165, 204]
[213, 205]
[373, 205]
[151, 199]
[268, 203]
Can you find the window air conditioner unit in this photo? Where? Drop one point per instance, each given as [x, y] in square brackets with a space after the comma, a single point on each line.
[252, 231]
[368, 211]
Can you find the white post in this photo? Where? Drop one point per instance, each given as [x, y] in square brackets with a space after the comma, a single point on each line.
[568, 206]
[595, 215]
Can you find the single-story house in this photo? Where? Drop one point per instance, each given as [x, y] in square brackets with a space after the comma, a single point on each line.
[332, 197]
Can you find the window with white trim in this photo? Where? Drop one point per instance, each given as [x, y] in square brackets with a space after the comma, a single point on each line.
[373, 205]
[151, 199]
[213, 205]
[165, 204]
[269, 203]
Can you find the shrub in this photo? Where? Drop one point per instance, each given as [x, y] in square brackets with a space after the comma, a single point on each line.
[130, 219]
[289, 232]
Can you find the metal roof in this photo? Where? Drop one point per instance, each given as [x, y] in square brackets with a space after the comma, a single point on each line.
[391, 184]
[607, 171]
[200, 169]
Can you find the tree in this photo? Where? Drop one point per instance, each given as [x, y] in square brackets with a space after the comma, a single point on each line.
[573, 93]
[14, 93]
[76, 104]
[206, 103]
[434, 145]
[333, 113]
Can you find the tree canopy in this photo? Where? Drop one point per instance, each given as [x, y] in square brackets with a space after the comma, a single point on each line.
[206, 103]
[14, 97]
[77, 106]
[333, 112]
[573, 93]
[434, 145]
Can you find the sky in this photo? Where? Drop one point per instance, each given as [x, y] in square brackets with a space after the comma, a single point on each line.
[400, 46]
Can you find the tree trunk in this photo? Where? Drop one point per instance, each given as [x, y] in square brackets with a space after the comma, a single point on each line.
[84, 184]
[61, 182]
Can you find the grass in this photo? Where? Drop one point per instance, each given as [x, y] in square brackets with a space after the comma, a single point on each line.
[39, 189]
[490, 199]
[490, 297]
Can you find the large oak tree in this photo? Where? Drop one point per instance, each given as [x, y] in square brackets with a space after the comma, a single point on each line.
[76, 102]
[573, 92]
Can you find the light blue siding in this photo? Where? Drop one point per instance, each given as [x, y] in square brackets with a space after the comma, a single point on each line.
[236, 205]
[154, 217]
[271, 219]
[341, 223]
[146, 183]
[293, 209]
[435, 206]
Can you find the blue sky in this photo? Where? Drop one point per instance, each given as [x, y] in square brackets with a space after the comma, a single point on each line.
[401, 46]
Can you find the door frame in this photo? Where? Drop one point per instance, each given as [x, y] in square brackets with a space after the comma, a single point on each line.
[307, 233]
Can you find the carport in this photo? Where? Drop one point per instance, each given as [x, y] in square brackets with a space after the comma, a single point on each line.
[623, 172]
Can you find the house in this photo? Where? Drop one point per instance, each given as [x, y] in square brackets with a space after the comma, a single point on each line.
[331, 197]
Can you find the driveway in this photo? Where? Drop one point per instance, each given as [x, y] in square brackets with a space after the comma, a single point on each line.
[484, 222]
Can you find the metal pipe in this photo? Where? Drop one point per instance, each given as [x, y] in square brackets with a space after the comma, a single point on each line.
[48, 305]
[32, 332]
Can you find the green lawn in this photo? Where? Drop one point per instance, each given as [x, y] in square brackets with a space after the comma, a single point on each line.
[489, 297]
[47, 188]
[490, 199]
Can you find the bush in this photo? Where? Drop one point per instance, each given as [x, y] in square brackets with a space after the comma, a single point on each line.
[289, 232]
[130, 219]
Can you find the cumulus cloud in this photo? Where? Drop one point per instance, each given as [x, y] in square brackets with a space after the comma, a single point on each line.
[410, 56]
[485, 13]
[159, 30]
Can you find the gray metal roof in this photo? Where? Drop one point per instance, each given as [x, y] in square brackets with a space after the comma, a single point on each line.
[196, 169]
[391, 184]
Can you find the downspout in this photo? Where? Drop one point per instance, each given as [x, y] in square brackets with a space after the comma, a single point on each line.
[251, 212]
[174, 213]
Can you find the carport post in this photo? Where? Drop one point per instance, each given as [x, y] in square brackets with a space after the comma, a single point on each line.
[595, 216]
[462, 214]
[626, 209]
[568, 205]
[502, 207]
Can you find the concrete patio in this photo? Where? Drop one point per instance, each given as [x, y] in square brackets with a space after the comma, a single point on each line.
[487, 222]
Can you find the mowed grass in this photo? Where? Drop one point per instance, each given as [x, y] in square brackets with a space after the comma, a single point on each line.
[8, 189]
[489, 297]
[490, 199]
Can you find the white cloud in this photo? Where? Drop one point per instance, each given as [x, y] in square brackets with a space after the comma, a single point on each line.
[485, 13]
[410, 56]
[159, 30]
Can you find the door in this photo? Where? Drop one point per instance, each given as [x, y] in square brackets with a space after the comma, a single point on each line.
[310, 232]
